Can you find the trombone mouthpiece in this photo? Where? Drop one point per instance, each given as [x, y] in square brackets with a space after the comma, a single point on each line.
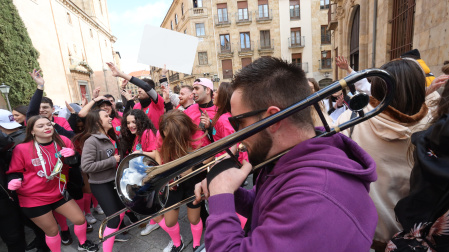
[242, 148]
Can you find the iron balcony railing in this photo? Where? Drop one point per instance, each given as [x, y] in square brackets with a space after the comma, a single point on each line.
[264, 15]
[225, 49]
[304, 66]
[325, 64]
[295, 43]
[198, 11]
[246, 48]
[244, 17]
[222, 20]
[173, 77]
[266, 45]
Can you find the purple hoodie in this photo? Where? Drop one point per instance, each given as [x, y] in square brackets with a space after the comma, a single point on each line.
[316, 198]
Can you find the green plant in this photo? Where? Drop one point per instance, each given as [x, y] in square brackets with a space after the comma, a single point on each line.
[17, 55]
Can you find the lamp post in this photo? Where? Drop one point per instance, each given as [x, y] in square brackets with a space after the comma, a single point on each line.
[4, 89]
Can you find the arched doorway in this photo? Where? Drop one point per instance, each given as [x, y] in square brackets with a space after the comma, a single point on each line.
[325, 82]
[354, 42]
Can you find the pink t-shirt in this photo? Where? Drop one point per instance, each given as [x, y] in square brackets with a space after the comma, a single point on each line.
[153, 111]
[148, 142]
[35, 190]
[223, 129]
[62, 122]
[194, 113]
[116, 123]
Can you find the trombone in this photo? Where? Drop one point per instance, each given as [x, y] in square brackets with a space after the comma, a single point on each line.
[143, 186]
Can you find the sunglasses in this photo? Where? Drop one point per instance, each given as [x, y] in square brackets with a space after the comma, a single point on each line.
[236, 120]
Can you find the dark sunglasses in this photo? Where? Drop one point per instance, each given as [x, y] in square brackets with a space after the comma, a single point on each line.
[236, 120]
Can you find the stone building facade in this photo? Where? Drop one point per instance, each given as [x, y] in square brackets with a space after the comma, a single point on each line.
[232, 34]
[372, 32]
[74, 40]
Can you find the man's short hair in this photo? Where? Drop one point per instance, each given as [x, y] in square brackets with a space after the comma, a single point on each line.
[149, 82]
[272, 81]
[188, 87]
[109, 96]
[47, 100]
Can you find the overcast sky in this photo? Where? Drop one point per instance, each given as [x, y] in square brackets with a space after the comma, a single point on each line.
[128, 19]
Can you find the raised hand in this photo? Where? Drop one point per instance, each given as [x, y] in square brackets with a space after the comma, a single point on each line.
[84, 101]
[96, 93]
[164, 70]
[71, 110]
[166, 93]
[115, 71]
[124, 82]
[99, 98]
[342, 63]
[37, 77]
[437, 83]
[127, 95]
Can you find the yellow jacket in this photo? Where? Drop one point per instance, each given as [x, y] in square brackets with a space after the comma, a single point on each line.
[429, 75]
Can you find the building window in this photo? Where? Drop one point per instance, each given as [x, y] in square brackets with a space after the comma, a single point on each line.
[402, 23]
[295, 37]
[222, 13]
[326, 61]
[69, 19]
[265, 41]
[185, 31]
[243, 10]
[226, 65]
[197, 3]
[246, 61]
[182, 9]
[297, 59]
[225, 44]
[176, 19]
[171, 25]
[91, 33]
[263, 9]
[324, 4]
[200, 30]
[325, 35]
[202, 58]
[245, 42]
[294, 9]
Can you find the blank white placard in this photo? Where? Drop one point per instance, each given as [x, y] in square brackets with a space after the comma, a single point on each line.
[161, 46]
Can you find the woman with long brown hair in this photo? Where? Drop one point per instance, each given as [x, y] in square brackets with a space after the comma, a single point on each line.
[176, 130]
[99, 160]
[38, 172]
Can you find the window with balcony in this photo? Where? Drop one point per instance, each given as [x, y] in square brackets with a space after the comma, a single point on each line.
[324, 4]
[222, 13]
[297, 59]
[263, 9]
[265, 41]
[295, 37]
[202, 58]
[225, 44]
[245, 41]
[200, 30]
[69, 19]
[226, 65]
[185, 31]
[197, 3]
[294, 9]
[243, 10]
[325, 35]
[246, 61]
[326, 60]
[176, 19]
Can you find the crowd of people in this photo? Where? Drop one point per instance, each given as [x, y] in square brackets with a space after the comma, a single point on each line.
[381, 184]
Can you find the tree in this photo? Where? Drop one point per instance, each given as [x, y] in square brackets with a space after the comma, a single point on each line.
[17, 55]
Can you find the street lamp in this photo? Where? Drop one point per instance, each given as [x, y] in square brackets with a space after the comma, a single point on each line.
[4, 89]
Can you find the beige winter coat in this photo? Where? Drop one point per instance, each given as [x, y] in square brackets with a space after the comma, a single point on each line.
[386, 138]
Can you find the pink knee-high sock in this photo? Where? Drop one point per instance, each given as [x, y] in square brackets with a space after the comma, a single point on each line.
[94, 200]
[87, 199]
[173, 232]
[53, 243]
[80, 232]
[152, 222]
[242, 220]
[61, 221]
[80, 203]
[108, 245]
[197, 231]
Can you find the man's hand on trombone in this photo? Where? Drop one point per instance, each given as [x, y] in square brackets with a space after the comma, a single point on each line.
[227, 181]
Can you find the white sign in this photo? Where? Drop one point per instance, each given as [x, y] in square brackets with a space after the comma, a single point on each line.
[160, 46]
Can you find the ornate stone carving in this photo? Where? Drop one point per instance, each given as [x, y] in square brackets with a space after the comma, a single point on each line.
[340, 12]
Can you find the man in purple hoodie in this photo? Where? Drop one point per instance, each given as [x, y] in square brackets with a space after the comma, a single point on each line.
[315, 198]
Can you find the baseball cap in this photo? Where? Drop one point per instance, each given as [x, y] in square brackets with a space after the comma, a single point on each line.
[98, 103]
[7, 120]
[204, 82]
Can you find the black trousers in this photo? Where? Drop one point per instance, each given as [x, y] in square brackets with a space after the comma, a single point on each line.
[109, 201]
[11, 226]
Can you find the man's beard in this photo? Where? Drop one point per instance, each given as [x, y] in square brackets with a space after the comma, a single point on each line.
[259, 151]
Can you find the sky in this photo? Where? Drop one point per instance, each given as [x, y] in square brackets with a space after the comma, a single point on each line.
[128, 19]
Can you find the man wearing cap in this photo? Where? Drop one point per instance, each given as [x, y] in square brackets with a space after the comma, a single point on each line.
[44, 106]
[204, 107]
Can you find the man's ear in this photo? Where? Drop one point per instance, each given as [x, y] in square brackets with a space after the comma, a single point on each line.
[271, 111]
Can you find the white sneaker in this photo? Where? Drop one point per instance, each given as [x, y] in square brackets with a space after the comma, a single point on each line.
[170, 247]
[149, 228]
[98, 209]
[90, 219]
